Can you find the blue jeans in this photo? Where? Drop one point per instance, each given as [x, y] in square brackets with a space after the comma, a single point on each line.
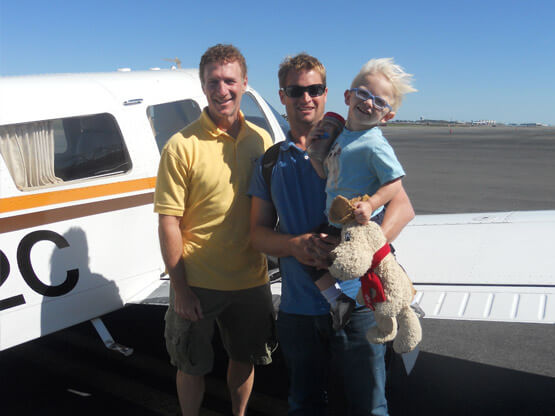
[311, 348]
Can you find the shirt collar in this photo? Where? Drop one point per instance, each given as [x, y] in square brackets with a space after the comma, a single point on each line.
[360, 132]
[214, 130]
[289, 143]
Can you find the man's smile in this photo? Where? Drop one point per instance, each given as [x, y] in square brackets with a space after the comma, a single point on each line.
[223, 100]
[305, 108]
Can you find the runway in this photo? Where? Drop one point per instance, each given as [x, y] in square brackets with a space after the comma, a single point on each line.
[476, 169]
[465, 368]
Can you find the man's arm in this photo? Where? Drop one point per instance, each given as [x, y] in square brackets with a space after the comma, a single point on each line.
[186, 302]
[398, 214]
[306, 248]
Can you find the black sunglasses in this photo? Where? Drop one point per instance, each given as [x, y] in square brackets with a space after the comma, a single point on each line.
[296, 91]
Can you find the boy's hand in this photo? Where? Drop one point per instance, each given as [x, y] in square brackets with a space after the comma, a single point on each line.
[363, 212]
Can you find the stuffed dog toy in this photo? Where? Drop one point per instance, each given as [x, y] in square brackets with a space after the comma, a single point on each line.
[385, 287]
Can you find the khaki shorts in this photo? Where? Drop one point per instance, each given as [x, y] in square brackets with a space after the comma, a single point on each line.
[246, 322]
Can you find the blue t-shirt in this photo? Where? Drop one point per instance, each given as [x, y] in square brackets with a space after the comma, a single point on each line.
[299, 198]
[359, 163]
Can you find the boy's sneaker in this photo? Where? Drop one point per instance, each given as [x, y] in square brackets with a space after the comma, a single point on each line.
[341, 312]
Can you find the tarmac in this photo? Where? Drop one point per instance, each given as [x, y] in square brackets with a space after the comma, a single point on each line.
[464, 368]
[476, 169]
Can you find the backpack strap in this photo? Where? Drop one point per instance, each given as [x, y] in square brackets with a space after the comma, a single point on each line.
[269, 160]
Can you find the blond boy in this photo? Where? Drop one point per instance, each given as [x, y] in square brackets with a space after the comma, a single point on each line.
[361, 161]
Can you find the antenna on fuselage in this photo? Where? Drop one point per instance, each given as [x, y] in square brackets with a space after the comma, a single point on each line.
[175, 60]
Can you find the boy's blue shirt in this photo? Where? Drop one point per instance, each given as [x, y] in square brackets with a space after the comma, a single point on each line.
[299, 198]
[360, 162]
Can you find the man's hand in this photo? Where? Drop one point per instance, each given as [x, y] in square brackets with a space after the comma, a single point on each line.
[302, 247]
[187, 304]
[313, 249]
[309, 248]
[324, 244]
[363, 212]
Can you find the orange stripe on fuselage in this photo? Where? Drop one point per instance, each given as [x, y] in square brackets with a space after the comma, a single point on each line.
[69, 195]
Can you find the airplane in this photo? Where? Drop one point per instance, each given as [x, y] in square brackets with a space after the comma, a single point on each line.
[78, 237]
[80, 154]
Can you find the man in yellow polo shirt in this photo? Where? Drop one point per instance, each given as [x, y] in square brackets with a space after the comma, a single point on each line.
[216, 275]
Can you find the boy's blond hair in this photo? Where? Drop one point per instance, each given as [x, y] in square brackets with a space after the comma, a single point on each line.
[401, 82]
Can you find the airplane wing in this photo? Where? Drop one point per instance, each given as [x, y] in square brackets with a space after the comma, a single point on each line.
[481, 267]
[487, 266]
[157, 293]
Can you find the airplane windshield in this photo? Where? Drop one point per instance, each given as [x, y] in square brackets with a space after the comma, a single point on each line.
[280, 119]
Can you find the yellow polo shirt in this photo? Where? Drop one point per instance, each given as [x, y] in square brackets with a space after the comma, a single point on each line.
[203, 178]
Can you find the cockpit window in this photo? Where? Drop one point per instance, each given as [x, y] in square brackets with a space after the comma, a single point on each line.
[254, 113]
[168, 118]
[49, 152]
[283, 123]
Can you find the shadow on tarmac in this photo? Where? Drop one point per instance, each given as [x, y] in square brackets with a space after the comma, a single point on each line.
[70, 372]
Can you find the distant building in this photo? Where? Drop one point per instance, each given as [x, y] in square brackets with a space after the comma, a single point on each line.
[533, 125]
[452, 123]
[483, 123]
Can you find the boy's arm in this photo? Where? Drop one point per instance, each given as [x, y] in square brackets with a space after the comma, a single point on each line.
[386, 193]
[398, 214]
[306, 248]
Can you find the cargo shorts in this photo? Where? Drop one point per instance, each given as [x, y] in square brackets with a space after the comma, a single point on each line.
[245, 319]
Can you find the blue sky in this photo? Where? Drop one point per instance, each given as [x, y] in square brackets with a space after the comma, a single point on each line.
[471, 59]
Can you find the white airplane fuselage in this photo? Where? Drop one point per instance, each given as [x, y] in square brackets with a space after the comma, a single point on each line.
[85, 243]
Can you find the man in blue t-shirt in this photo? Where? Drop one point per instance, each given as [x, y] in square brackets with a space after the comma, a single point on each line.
[310, 345]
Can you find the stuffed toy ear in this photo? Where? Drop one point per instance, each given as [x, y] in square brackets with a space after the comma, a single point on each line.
[358, 199]
[341, 210]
